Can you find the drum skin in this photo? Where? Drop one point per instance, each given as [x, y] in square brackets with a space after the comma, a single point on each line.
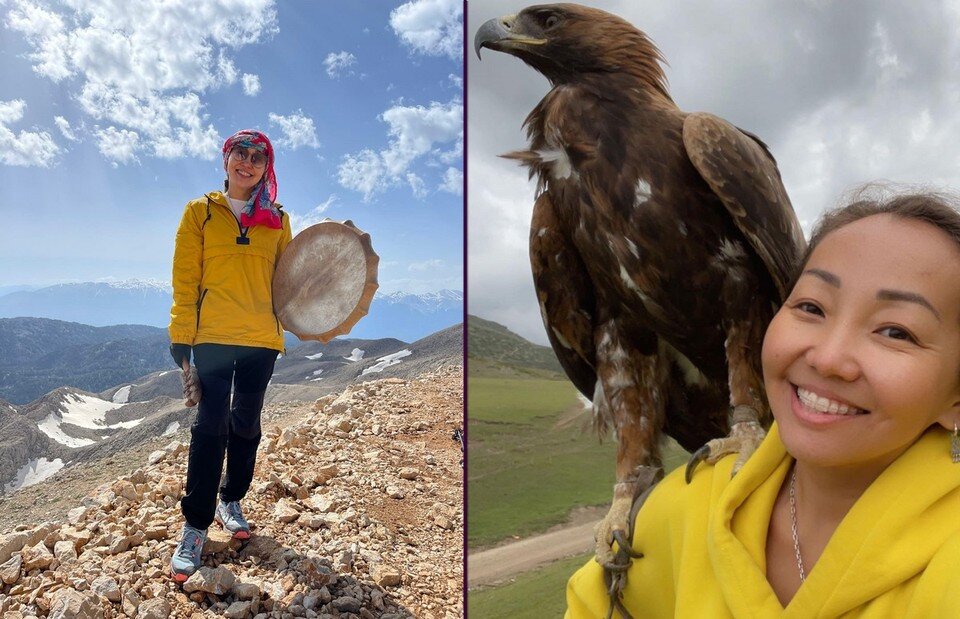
[325, 280]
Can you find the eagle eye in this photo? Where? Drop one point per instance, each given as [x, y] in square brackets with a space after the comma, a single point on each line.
[551, 21]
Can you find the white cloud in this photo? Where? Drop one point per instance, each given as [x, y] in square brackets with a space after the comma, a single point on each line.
[363, 172]
[426, 265]
[118, 145]
[64, 126]
[430, 27]
[298, 130]
[142, 66]
[456, 80]
[300, 222]
[251, 84]
[452, 181]
[417, 185]
[338, 63]
[416, 129]
[44, 30]
[27, 148]
[414, 132]
[173, 125]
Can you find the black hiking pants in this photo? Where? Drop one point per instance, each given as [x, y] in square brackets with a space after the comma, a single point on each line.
[225, 426]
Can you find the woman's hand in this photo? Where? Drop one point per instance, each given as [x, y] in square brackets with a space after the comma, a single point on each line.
[191, 384]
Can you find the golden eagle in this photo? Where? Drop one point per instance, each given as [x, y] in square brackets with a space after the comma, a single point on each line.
[662, 243]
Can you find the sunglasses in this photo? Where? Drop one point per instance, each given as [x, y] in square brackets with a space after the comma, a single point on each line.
[257, 159]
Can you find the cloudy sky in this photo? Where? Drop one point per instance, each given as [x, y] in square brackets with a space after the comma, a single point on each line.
[843, 92]
[112, 114]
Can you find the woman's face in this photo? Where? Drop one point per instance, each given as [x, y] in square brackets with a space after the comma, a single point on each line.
[865, 353]
[244, 175]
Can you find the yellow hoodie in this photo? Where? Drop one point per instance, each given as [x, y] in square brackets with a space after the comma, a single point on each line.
[896, 554]
[223, 277]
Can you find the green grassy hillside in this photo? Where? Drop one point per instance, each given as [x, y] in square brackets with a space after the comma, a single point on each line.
[536, 594]
[526, 472]
[494, 350]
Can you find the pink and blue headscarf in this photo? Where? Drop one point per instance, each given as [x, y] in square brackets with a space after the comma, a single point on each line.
[259, 208]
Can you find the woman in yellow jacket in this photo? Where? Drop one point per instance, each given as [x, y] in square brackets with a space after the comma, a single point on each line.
[227, 249]
[851, 505]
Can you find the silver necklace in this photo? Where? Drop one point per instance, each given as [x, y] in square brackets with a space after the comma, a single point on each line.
[793, 523]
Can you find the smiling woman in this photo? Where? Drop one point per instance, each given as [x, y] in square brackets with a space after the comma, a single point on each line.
[227, 247]
[851, 505]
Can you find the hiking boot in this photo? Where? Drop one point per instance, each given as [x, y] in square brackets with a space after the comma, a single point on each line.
[186, 558]
[231, 519]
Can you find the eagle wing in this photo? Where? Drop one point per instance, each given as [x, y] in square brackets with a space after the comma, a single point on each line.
[742, 172]
[565, 293]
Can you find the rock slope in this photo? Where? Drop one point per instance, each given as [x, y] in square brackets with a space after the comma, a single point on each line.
[356, 507]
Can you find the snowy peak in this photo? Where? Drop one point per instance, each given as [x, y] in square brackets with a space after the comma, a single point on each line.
[145, 284]
[426, 303]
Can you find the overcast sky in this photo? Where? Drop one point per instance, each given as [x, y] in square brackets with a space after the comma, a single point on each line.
[112, 114]
[842, 92]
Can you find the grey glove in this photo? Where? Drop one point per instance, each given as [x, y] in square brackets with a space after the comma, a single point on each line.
[179, 352]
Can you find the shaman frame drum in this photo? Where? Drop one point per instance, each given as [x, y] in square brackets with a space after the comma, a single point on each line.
[325, 280]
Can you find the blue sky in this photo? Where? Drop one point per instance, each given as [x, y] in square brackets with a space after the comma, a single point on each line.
[112, 115]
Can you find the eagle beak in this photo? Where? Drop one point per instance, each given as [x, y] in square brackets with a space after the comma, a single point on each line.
[498, 35]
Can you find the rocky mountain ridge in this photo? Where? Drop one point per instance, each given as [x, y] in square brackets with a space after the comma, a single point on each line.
[356, 508]
[70, 425]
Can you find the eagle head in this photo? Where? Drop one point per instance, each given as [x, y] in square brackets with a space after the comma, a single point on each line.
[565, 42]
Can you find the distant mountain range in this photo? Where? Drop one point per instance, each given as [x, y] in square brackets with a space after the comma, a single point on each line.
[494, 349]
[399, 315]
[40, 354]
[68, 423]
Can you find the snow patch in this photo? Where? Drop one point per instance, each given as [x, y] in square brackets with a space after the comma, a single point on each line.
[313, 357]
[356, 355]
[122, 395]
[34, 472]
[173, 427]
[85, 412]
[385, 362]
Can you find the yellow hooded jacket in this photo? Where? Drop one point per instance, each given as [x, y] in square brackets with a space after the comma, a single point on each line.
[223, 277]
[896, 554]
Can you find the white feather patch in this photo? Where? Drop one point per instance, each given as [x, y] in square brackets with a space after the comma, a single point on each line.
[632, 285]
[642, 192]
[561, 168]
[563, 341]
[691, 374]
[731, 250]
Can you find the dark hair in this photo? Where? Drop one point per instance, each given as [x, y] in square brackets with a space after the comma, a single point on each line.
[935, 208]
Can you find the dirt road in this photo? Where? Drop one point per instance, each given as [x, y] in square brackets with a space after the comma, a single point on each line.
[498, 564]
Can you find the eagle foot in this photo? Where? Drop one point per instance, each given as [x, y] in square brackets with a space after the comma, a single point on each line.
[615, 565]
[746, 434]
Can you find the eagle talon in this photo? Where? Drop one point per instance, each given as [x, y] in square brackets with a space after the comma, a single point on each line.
[616, 568]
[698, 456]
[624, 545]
